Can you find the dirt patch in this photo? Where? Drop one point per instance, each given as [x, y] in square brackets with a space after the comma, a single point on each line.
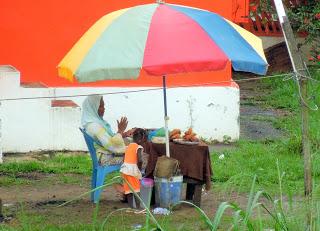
[43, 187]
[44, 200]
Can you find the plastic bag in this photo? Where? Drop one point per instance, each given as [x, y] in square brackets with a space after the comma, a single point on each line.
[166, 167]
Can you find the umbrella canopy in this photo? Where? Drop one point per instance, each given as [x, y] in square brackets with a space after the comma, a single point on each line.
[162, 39]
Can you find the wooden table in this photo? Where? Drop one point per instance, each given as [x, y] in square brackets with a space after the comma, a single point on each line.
[195, 165]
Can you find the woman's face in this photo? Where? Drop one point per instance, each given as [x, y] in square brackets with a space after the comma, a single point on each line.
[101, 108]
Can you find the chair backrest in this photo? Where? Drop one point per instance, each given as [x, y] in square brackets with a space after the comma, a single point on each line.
[90, 143]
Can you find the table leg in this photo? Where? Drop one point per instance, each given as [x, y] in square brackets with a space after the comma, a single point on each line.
[197, 195]
[190, 191]
[193, 193]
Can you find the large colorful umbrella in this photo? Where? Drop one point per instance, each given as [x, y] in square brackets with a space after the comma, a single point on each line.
[161, 39]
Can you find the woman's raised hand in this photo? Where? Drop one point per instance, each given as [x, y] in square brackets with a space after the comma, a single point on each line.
[122, 125]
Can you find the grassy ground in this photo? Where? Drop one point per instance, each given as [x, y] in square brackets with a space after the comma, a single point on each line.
[233, 173]
[260, 157]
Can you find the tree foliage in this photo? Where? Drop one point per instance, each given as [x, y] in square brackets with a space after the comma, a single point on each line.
[305, 20]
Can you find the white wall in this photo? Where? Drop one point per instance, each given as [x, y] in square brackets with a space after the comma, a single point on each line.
[29, 125]
[32, 124]
[214, 111]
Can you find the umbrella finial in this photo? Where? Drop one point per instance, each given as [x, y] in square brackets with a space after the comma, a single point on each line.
[160, 1]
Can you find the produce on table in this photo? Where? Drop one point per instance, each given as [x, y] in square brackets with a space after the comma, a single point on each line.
[175, 134]
[189, 135]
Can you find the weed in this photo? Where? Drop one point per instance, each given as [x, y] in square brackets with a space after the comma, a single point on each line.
[226, 139]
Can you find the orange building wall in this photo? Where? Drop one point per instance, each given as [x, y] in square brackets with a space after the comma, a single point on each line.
[35, 35]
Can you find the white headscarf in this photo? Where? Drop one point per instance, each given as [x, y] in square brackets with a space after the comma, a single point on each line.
[90, 114]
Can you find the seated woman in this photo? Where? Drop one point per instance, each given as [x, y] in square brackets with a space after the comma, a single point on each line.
[94, 124]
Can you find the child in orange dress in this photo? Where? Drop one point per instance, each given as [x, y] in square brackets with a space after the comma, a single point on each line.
[130, 169]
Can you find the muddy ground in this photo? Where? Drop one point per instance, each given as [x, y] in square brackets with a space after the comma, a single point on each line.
[45, 191]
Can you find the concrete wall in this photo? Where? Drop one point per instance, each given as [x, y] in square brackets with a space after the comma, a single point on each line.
[212, 111]
[33, 124]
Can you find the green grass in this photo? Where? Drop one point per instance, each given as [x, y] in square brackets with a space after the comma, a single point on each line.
[241, 218]
[284, 95]
[259, 157]
[59, 163]
[121, 221]
[6, 181]
[251, 158]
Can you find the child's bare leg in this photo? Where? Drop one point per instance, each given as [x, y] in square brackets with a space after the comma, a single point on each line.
[138, 201]
[130, 198]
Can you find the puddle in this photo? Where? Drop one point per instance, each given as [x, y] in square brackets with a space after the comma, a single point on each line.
[259, 130]
[49, 202]
[256, 111]
[28, 175]
[7, 218]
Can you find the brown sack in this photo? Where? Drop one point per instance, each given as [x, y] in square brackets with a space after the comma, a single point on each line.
[166, 167]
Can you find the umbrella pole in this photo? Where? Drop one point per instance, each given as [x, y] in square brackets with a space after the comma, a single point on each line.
[166, 117]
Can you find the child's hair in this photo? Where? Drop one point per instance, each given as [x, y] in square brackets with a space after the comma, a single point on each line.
[139, 135]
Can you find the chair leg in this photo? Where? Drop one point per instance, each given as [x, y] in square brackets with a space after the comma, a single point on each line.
[93, 182]
[98, 176]
[99, 182]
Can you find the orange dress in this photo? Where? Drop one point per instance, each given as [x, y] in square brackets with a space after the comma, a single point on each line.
[129, 169]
